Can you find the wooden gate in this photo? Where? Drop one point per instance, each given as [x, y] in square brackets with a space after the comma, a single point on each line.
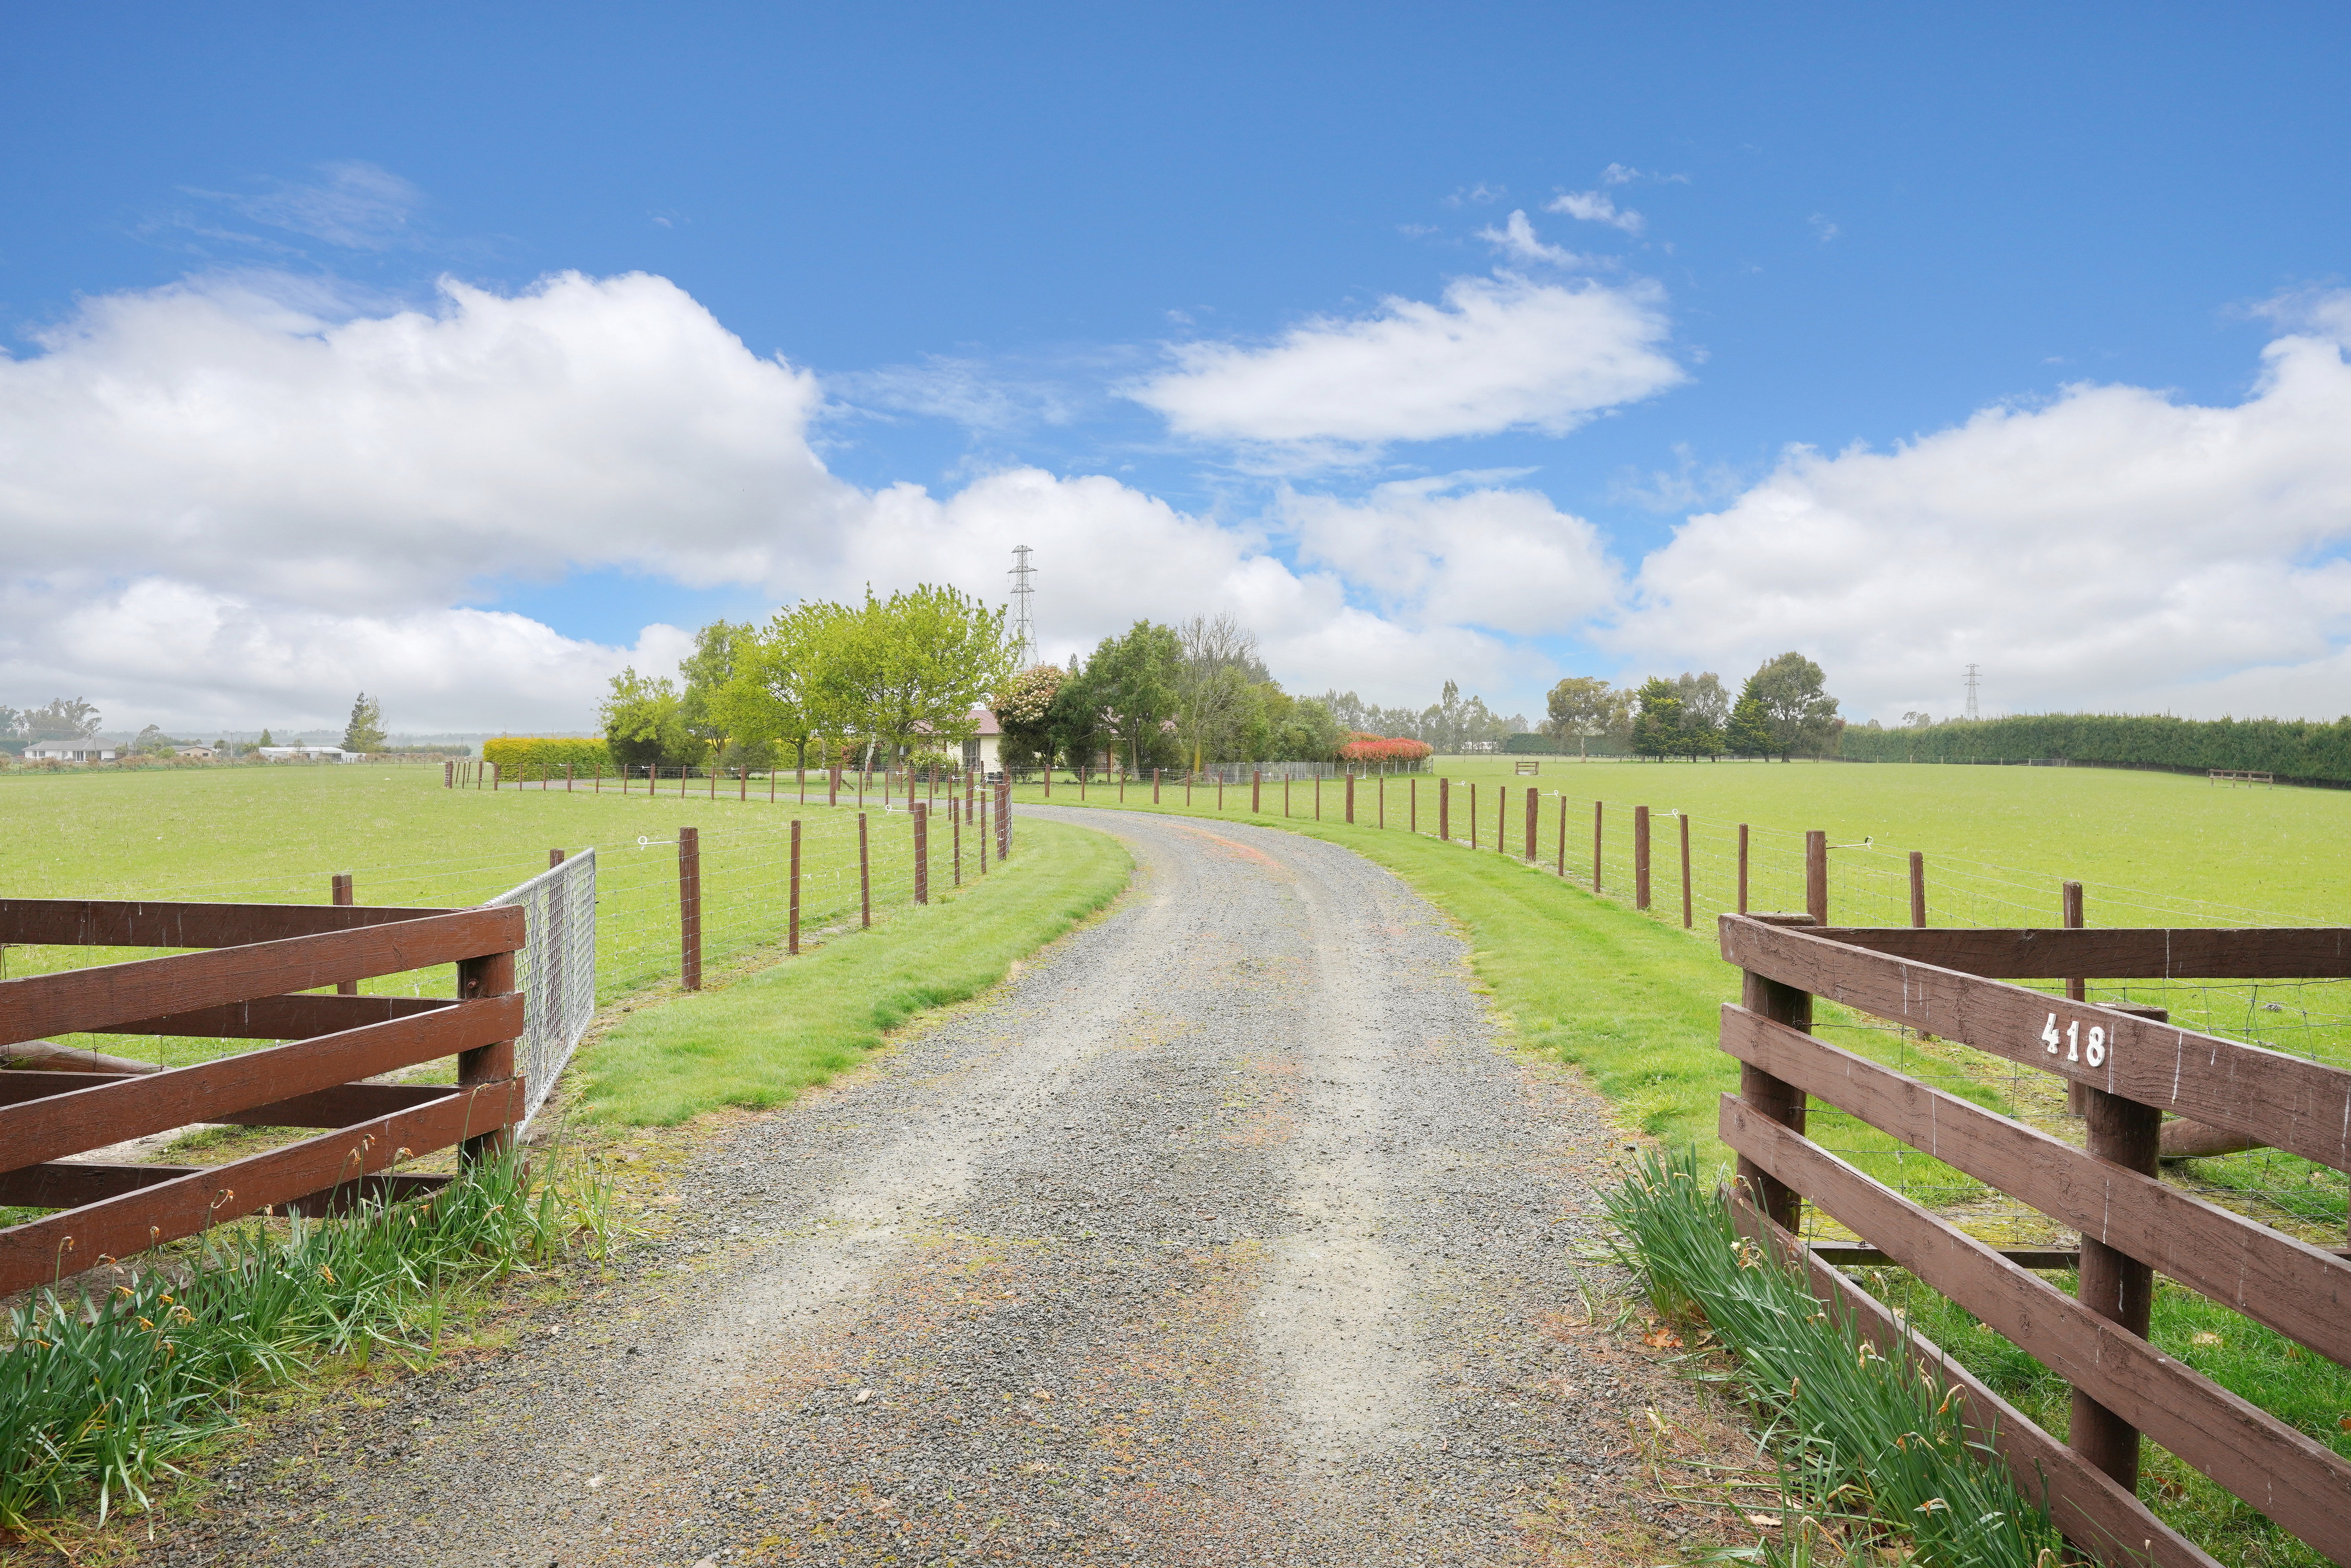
[2130, 1069]
[249, 984]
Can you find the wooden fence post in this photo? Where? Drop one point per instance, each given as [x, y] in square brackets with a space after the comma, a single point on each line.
[1562, 835]
[1318, 797]
[1769, 1096]
[983, 835]
[1445, 810]
[493, 976]
[1597, 809]
[342, 894]
[1412, 804]
[1154, 786]
[865, 875]
[689, 906]
[1918, 888]
[1004, 822]
[1742, 867]
[2114, 1285]
[1816, 876]
[1534, 804]
[922, 852]
[792, 931]
[448, 774]
[743, 783]
[1351, 800]
[1683, 818]
[1256, 790]
[955, 836]
[1640, 857]
[567, 778]
[832, 785]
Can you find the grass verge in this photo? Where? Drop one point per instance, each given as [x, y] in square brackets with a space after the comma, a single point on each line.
[1872, 1461]
[758, 1037]
[103, 1386]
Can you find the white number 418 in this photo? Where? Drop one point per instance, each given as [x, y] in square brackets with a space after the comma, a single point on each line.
[2094, 1053]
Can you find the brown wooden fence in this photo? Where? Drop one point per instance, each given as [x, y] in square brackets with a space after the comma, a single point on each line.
[2128, 1067]
[249, 983]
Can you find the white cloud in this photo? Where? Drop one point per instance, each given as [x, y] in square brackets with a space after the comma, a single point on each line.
[357, 206]
[968, 392]
[1497, 354]
[1449, 552]
[1517, 240]
[381, 464]
[197, 658]
[2113, 549]
[237, 503]
[1596, 207]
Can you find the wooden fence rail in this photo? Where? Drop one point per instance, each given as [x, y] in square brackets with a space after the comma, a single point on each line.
[245, 983]
[2130, 1067]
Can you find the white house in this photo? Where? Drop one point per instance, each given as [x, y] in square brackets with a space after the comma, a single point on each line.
[81, 748]
[310, 754]
[197, 753]
[983, 752]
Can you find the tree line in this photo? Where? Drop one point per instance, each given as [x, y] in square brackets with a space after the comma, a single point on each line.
[2290, 749]
[1783, 710]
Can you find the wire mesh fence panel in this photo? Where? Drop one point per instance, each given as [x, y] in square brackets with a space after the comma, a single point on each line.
[555, 971]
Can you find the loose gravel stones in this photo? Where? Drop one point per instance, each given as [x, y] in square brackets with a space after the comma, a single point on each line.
[1225, 1233]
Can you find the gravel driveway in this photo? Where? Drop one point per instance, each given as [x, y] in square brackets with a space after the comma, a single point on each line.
[1225, 1234]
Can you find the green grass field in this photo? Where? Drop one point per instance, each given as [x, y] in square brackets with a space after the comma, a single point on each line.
[279, 834]
[1998, 840]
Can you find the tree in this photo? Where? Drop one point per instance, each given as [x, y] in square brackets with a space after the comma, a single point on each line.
[64, 719]
[641, 723]
[1585, 706]
[1706, 709]
[780, 682]
[915, 665]
[1217, 665]
[265, 739]
[1129, 689]
[1797, 708]
[720, 649]
[1024, 712]
[365, 730]
[1749, 734]
[1657, 723]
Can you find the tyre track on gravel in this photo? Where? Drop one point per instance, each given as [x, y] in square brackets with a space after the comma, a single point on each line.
[1225, 1233]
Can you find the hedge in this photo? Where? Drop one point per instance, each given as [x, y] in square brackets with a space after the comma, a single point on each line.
[515, 753]
[2291, 748]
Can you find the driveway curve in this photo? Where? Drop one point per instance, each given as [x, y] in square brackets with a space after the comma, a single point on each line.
[1226, 1232]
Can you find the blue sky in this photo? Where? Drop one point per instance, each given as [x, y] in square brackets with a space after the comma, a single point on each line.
[1226, 307]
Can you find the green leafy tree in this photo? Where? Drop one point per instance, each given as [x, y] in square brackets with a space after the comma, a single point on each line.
[265, 739]
[1706, 711]
[913, 667]
[1075, 719]
[643, 724]
[1749, 733]
[1801, 715]
[721, 650]
[1657, 719]
[782, 686]
[1131, 689]
[1586, 707]
[365, 730]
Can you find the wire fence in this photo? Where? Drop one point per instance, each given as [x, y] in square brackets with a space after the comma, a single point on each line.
[609, 920]
[1685, 872]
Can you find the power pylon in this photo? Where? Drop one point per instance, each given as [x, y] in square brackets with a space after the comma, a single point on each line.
[1024, 625]
[1972, 712]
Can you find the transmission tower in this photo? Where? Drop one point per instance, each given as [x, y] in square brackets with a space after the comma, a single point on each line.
[1972, 712]
[1024, 626]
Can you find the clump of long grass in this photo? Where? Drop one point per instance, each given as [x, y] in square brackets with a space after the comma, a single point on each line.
[104, 1384]
[1869, 1452]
